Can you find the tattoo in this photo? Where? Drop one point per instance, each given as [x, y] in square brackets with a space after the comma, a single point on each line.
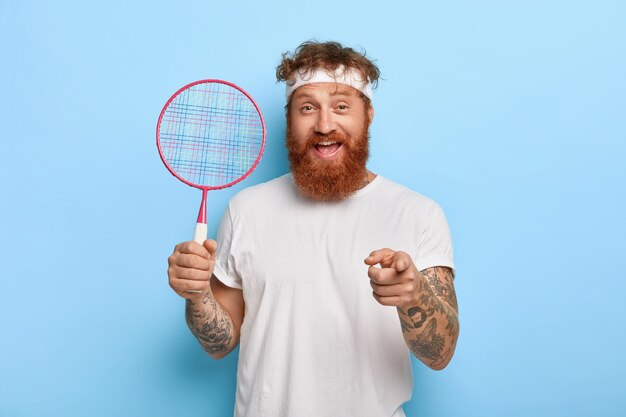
[441, 282]
[211, 325]
[437, 301]
[429, 344]
[418, 316]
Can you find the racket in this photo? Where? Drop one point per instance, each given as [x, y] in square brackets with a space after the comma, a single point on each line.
[210, 135]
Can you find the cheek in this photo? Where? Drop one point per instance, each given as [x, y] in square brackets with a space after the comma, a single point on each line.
[356, 126]
[301, 133]
[300, 130]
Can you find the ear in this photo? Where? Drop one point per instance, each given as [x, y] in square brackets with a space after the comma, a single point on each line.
[370, 113]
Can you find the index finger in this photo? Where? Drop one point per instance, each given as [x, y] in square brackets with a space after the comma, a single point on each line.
[402, 261]
[381, 256]
[383, 276]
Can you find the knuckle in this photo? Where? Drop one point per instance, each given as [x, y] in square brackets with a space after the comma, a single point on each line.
[182, 273]
[196, 285]
[193, 274]
[199, 274]
[202, 263]
[192, 262]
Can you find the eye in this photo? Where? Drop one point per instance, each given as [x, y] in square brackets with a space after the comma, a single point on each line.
[306, 108]
[343, 107]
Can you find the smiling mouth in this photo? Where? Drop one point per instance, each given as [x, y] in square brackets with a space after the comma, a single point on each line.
[327, 148]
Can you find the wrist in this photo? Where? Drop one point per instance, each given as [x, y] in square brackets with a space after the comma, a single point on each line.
[412, 302]
[421, 294]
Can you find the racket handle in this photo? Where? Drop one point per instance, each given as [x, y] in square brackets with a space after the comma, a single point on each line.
[200, 233]
[199, 236]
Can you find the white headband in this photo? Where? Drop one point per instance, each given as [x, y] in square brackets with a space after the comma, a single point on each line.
[349, 77]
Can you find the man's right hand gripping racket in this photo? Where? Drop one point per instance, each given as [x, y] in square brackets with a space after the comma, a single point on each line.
[210, 135]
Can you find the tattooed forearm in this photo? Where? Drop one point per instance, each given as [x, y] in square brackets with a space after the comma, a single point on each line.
[428, 344]
[441, 282]
[210, 324]
[430, 327]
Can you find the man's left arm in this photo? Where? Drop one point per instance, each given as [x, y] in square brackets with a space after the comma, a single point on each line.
[425, 301]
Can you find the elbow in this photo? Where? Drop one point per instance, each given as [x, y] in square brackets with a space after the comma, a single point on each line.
[218, 356]
[221, 352]
[439, 366]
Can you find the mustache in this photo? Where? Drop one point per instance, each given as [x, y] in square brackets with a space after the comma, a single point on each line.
[330, 137]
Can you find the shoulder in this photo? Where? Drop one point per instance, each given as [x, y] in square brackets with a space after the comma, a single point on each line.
[262, 194]
[404, 196]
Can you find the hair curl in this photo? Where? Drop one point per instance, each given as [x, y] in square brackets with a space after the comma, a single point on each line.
[327, 55]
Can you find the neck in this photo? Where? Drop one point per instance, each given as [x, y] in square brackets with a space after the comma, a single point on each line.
[369, 177]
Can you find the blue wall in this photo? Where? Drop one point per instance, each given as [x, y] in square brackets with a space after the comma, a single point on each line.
[509, 114]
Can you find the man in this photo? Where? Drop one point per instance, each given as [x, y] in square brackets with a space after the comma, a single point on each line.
[307, 267]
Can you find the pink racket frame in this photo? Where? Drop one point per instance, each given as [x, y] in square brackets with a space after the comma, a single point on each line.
[206, 188]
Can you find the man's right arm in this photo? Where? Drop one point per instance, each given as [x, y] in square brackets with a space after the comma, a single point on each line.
[214, 312]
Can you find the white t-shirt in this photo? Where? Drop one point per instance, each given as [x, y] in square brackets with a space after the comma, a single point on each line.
[314, 341]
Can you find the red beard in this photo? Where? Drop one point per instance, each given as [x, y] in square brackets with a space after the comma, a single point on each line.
[329, 180]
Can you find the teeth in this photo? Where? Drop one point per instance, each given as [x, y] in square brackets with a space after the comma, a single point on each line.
[326, 143]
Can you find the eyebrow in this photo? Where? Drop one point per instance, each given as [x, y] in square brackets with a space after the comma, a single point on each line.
[345, 93]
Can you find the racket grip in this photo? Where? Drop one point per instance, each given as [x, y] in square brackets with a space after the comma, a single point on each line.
[200, 233]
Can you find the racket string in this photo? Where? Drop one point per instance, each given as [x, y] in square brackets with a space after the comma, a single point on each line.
[211, 136]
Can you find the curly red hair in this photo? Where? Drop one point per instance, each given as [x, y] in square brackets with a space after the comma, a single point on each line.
[327, 55]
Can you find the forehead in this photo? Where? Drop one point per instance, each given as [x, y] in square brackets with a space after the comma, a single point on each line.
[324, 90]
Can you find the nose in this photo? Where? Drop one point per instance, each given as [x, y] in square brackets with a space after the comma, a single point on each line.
[325, 122]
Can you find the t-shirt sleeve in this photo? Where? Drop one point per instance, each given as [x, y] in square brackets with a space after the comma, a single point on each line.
[435, 248]
[225, 267]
